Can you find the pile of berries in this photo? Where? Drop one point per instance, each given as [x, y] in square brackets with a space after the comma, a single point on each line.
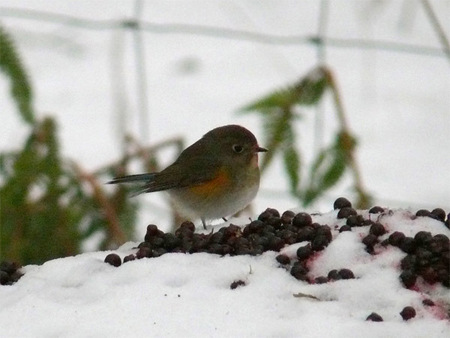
[9, 273]
[427, 255]
[270, 232]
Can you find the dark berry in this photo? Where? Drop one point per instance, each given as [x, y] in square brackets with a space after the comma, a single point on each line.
[129, 258]
[366, 222]
[113, 259]
[396, 238]
[184, 232]
[257, 250]
[4, 278]
[324, 230]
[423, 237]
[443, 241]
[231, 241]
[227, 250]
[408, 262]
[144, 252]
[385, 242]
[145, 244]
[188, 225]
[315, 225]
[9, 267]
[159, 252]
[170, 241]
[334, 275]
[443, 275]
[408, 278]
[346, 274]
[156, 242]
[304, 252]
[429, 275]
[423, 213]
[370, 240]
[276, 244]
[346, 212]
[374, 317]
[232, 231]
[273, 212]
[268, 230]
[236, 284]
[299, 271]
[262, 241]
[152, 230]
[445, 257]
[408, 245]
[352, 221]
[215, 248]
[302, 219]
[305, 234]
[345, 228]
[243, 250]
[423, 256]
[355, 220]
[376, 210]
[287, 236]
[267, 214]
[242, 241]
[438, 214]
[275, 222]
[287, 217]
[408, 312]
[255, 226]
[428, 302]
[321, 280]
[341, 202]
[435, 247]
[319, 243]
[377, 229]
[283, 259]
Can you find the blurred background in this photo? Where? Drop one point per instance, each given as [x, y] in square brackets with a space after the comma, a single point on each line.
[351, 97]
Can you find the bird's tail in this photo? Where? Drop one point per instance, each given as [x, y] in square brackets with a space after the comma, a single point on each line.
[132, 178]
[147, 178]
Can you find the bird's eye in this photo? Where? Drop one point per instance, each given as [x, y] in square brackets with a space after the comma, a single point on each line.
[238, 148]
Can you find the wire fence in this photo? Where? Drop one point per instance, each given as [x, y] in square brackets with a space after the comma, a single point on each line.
[321, 41]
[318, 41]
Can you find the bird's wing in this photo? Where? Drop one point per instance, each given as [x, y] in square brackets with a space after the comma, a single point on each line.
[192, 168]
[181, 175]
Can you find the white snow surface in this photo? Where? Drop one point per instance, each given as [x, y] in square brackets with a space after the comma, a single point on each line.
[189, 295]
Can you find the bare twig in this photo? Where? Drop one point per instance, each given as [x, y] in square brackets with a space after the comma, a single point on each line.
[117, 235]
[364, 198]
[437, 27]
[304, 295]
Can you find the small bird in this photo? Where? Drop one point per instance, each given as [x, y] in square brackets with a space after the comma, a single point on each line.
[215, 177]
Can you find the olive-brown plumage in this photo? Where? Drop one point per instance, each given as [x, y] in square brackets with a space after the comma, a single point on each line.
[215, 177]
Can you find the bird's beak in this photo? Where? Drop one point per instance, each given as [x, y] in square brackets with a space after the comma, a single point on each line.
[259, 149]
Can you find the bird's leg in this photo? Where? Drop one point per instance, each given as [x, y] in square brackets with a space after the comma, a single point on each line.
[204, 223]
[224, 219]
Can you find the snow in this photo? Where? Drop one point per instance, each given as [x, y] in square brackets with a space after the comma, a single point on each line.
[189, 295]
